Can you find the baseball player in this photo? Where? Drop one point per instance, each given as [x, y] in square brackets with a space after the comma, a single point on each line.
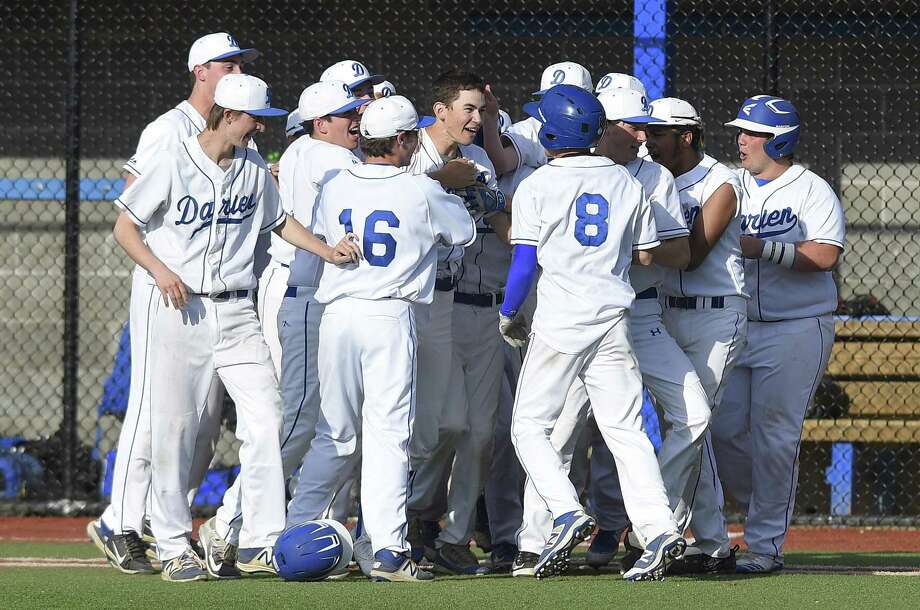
[703, 306]
[368, 346]
[198, 254]
[462, 421]
[519, 145]
[565, 221]
[665, 369]
[330, 113]
[117, 532]
[792, 235]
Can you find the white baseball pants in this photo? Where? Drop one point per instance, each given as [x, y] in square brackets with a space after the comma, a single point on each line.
[367, 375]
[272, 286]
[613, 383]
[189, 350]
[757, 434]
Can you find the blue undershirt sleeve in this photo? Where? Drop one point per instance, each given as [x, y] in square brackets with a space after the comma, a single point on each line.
[520, 278]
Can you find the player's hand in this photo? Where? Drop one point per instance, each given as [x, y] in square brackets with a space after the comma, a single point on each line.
[515, 331]
[346, 252]
[172, 288]
[751, 247]
[491, 104]
[274, 168]
[457, 174]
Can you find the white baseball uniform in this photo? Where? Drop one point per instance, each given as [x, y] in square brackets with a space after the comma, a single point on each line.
[306, 165]
[704, 311]
[665, 370]
[524, 137]
[441, 419]
[209, 243]
[131, 473]
[585, 215]
[367, 342]
[790, 336]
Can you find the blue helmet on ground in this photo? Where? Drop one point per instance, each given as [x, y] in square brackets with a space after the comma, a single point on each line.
[313, 550]
[570, 116]
[772, 115]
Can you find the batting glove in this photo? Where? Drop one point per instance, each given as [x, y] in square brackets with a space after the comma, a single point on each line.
[515, 331]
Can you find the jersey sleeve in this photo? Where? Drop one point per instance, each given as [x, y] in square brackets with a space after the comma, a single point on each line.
[529, 152]
[823, 217]
[273, 212]
[665, 204]
[149, 192]
[525, 218]
[645, 230]
[156, 137]
[286, 179]
[722, 176]
[451, 223]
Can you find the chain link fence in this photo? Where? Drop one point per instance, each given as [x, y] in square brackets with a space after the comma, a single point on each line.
[83, 78]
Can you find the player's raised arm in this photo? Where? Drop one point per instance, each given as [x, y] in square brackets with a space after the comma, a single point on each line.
[345, 252]
[502, 154]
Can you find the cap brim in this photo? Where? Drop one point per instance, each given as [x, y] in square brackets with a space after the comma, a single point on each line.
[247, 55]
[374, 79]
[267, 112]
[642, 118]
[350, 106]
[425, 121]
[749, 125]
[533, 109]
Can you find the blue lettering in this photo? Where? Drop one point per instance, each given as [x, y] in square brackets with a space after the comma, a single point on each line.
[768, 224]
[690, 215]
[189, 208]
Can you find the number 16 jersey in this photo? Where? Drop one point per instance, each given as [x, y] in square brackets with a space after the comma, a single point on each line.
[586, 215]
[399, 220]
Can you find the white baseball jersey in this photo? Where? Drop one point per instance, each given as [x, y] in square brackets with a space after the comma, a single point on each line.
[797, 206]
[209, 245]
[311, 164]
[484, 267]
[722, 271]
[165, 132]
[524, 136]
[427, 159]
[661, 191]
[400, 219]
[585, 215]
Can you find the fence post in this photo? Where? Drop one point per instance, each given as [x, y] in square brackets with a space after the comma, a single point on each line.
[770, 70]
[71, 250]
[650, 52]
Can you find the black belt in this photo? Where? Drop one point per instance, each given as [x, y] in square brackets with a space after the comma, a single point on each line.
[489, 299]
[444, 284]
[285, 266]
[648, 293]
[230, 294]
[696, 302]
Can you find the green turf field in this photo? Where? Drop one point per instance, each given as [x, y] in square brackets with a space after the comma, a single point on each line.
[103, 587]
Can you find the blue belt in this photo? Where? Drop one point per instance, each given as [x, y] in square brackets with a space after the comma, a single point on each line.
[696, 302]
[648, 293]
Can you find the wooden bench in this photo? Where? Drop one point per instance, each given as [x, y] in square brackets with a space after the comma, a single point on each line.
[877, 364]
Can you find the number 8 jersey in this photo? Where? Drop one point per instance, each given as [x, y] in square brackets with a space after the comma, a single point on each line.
[586, 215]
[399, 220]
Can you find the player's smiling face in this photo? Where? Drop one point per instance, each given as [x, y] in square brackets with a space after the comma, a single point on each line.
[750, 150]
[662, 144]
[620, 141]
[243, 127]
[463, 118]
[340, 129]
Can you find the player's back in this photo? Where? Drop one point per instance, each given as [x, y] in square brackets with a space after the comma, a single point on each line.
[399, 220]
[585, 215]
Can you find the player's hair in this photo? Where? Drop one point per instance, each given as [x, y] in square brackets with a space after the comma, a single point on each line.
[697, 142]
[308, 127]
[216, 115]
[447, 86]
[378, 147]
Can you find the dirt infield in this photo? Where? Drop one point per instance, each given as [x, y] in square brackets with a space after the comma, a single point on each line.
[826, 539]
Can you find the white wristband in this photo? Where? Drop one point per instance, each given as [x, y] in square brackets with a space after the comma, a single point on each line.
[779, 253]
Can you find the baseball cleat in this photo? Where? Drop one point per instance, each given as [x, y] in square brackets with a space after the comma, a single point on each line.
[569, 530]
[695, 561]
[256, 561]
[390, 566]
[502, 558]
[219, 555]
[363, 554]
[632, 551]
[524, 563]
[651, 565]
[150, 543]
[126, 554]
[98, 533]
[755, 563]
[187, 567]
[603, 548]
[457, 559]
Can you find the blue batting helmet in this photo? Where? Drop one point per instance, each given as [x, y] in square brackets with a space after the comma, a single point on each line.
[772, 115]
[571, 117]
[312, 550]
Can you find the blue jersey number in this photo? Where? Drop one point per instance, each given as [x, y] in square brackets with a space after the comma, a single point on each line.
[591, 212]
[371, 236]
